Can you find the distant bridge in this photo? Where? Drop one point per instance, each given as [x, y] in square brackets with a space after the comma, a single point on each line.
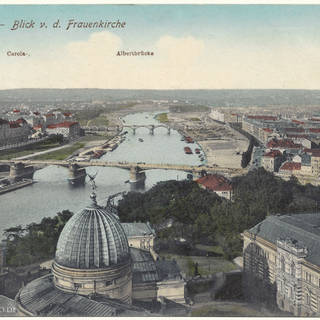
[141, 166]
[134, 128]
[151, 127]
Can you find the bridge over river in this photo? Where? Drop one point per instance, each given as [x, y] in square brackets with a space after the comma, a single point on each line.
[137, 167]
[133, 127]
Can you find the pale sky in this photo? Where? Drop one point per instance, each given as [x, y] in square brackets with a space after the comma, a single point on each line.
[195, 47]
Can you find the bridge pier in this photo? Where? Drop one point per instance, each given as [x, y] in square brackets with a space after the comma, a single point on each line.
[137, 177]
[134, 130]
[19, 171]
[169, 131]
[151, 130]
[77, 175]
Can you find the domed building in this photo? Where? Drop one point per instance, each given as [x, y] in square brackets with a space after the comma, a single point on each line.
[100, 268]
[93, 255]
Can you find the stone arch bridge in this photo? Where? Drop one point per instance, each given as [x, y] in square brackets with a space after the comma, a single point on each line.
[151, 127]
[135, 168]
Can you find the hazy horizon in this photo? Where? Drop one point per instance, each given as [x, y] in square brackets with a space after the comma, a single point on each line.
[200, 47]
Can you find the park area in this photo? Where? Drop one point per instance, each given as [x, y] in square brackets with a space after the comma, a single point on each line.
[207, 260]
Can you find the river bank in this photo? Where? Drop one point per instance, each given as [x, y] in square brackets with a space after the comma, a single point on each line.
[222, 145]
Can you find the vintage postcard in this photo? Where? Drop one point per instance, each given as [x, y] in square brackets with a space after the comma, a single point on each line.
[159, 160]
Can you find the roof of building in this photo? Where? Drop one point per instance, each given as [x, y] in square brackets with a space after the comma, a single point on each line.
[283, 143]
[143, 266]
[267, 130]
[273, 154]
[297, 121]
[168, 269]
[136, 229]
[92, 238]
[290, 166]
[296, 129]
[215, 182]
[65, 124]
[315, 130]
[304, 228]
[298, 136]
[262, 117]
[312, 152]
[14, 124]
[145, 269]
[42, 298]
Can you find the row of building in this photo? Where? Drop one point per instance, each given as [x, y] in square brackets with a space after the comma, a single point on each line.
[16, 129]
[281, 257]
[290, 145]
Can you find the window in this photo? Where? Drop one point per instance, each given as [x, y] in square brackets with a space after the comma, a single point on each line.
[293, 269]
[307, 299]
[77, 285]
[283, 264]
[308, 277]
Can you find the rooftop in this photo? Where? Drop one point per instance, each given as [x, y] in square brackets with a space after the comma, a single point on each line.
[262, 117]
[136, 229]
[273, 154]
[303, 228]
[92, 238]
[290, 166]
[42, 298]
[215, 182]
[283, 143]
[66, 124]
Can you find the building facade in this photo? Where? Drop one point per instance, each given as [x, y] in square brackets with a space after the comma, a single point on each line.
[282, 253]
[218, 184]
[12, 132]
[272, 160]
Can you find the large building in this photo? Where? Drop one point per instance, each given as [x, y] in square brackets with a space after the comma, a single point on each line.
[102, 268]
[13, 132]
[282, 255]
[271, 160]
[69, 129]
[218, 184]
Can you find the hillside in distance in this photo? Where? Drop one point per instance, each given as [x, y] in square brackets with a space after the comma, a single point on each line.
[266, 97]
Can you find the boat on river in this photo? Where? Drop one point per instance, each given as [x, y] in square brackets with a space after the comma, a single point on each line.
[189, 140]
[187, 150]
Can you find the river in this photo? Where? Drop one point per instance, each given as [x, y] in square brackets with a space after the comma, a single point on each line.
[51, 193]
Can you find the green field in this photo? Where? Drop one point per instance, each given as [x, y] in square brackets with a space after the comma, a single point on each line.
[206, 265]
[162, 117]
[61, 154]
[42, 146]
[230, 309]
